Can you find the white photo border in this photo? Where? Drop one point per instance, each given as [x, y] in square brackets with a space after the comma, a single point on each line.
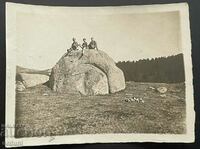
[11, 11]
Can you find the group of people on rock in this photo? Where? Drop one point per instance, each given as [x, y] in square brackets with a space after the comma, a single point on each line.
[85, 45]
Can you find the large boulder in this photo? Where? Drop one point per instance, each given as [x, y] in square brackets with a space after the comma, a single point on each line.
[85, 78]
[90, 73]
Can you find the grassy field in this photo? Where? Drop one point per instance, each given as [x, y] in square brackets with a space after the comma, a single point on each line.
[41, 112]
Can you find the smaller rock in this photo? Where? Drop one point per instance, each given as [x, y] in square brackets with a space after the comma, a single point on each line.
[126, 100]
[136, 99]
[142, 101]
[131, 99]
[163, 95]
[152, 88]
[20, 86]
[45, 94]
[162, 90]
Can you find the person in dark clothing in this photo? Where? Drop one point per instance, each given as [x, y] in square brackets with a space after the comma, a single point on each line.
[93, 44]
[74, 44]
[85, 44]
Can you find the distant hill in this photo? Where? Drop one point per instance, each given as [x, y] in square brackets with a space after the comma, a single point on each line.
[32, 71]
[163, 69]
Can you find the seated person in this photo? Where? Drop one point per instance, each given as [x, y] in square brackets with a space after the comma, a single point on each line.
[84, 45]
[93, 44]
[74, 44]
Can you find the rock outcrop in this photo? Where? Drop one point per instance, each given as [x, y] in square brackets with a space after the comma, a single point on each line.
[90, 73]
[26, 78]
[31, 80]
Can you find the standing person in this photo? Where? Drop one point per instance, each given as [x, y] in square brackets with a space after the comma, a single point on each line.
[93, 44]
[85, 44]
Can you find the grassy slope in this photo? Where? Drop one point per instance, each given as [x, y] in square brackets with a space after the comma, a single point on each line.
[64, 114]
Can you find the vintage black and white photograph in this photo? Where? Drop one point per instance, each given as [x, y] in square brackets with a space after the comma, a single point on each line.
[99, 74]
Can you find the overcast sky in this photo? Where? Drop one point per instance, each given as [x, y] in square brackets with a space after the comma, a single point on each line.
[43, 39]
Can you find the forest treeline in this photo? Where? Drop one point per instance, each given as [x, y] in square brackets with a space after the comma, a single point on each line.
[163, 69]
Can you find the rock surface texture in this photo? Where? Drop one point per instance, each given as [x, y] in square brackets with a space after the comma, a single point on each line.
[31, 80]
[90, 73]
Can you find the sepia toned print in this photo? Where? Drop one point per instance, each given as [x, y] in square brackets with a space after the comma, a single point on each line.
[98, 74]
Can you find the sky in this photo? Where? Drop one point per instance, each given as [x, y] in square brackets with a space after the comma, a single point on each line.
[42, 39]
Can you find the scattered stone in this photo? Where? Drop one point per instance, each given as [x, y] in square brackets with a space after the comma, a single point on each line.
[152, 88]
[142, 101]
[20, 86]
[126, 100]
[134, 99]
[45, 94]
[162, 90]
[163, 95]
